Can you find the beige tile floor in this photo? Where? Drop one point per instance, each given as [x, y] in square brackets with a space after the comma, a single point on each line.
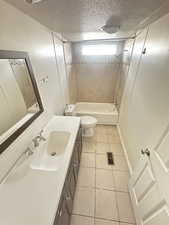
[102, 196]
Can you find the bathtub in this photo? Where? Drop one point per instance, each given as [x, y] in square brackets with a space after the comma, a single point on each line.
[105, 113]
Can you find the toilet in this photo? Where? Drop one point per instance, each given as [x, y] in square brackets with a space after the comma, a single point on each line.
[88, 123]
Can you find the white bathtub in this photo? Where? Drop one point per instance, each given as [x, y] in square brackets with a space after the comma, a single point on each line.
[105, 113]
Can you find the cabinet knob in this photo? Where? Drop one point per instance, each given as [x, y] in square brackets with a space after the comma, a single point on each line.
[145, 152]
[75, 165]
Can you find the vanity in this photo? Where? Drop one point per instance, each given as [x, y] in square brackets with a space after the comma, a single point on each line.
[38, 188]
[38, 191]
[65, 207]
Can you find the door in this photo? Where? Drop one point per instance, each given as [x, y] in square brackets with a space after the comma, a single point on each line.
[160, 164]
[149, 186]
[148, 106]
[149, 127]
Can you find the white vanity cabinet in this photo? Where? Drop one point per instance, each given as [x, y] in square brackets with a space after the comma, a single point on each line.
[66, 200]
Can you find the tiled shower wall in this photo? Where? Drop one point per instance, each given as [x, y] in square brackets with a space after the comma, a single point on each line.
[94, 78]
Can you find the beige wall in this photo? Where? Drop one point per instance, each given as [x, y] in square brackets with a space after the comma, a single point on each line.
[96, 76]
[96, 82]
[145, 106]
[22, 33]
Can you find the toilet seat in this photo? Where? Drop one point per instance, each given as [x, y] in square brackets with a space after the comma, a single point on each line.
[88, 121]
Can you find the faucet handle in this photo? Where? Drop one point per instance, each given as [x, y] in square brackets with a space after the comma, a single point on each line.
[41, 136]
[28, 151]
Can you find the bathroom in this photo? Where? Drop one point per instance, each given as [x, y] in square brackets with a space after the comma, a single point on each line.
[84, 112]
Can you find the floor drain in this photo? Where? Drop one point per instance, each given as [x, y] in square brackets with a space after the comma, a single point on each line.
[53, 153]
[110, 158]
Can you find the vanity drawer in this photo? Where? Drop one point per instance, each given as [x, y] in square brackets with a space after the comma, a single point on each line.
[70, 181]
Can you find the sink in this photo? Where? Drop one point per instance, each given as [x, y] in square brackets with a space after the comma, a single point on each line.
[50, 155]
[57, 142]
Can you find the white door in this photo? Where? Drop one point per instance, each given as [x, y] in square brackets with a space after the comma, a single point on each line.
[149, 186]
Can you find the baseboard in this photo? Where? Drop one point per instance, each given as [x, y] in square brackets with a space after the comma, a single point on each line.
[125, 150]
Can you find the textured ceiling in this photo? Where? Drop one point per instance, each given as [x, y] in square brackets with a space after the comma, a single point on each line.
[74, 18]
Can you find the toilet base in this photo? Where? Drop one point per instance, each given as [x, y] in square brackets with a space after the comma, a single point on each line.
[87, 132]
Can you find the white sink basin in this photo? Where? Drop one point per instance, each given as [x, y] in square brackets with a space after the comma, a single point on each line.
[50, 155]
[57, 142]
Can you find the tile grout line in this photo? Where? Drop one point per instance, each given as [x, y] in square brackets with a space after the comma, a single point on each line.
[96, 188]
[100, 218]
[104, 189]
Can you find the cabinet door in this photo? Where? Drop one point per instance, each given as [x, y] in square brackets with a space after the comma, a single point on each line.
[76, 162]
[71, 183]
[63, 216]
[79, 143]
[69, 201]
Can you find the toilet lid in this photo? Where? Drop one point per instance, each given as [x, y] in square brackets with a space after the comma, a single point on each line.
[88, 120]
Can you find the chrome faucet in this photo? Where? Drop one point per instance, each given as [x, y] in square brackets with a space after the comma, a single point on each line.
[28, 152]
[38, 139]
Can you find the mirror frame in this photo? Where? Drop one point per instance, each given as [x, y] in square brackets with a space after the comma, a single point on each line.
[6, 54]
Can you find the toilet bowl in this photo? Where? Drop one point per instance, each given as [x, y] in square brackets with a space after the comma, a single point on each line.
[88, 123]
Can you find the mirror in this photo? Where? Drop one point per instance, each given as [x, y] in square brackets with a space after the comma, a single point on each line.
[20, 102]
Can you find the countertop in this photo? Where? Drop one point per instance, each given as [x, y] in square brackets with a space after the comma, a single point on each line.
[31, 197]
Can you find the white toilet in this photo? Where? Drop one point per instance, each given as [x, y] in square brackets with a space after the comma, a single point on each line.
[88, 123]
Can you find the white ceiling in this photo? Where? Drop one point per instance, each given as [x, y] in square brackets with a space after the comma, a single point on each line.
[82, 19]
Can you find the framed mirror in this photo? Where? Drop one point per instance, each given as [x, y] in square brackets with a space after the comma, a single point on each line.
[20, 102]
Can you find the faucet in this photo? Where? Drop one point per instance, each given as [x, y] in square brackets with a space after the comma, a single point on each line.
[38, 139]
[28, 152]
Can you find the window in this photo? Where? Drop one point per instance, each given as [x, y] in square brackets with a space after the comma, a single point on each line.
[99, 50]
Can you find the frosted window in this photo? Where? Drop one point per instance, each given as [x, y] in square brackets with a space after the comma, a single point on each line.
[99, 49]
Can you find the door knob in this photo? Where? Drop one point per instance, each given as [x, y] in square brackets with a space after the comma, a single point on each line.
[145, 152]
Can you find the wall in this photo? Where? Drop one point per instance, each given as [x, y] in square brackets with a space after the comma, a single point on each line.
[145, 106]
[96, 75]
[22, 33]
